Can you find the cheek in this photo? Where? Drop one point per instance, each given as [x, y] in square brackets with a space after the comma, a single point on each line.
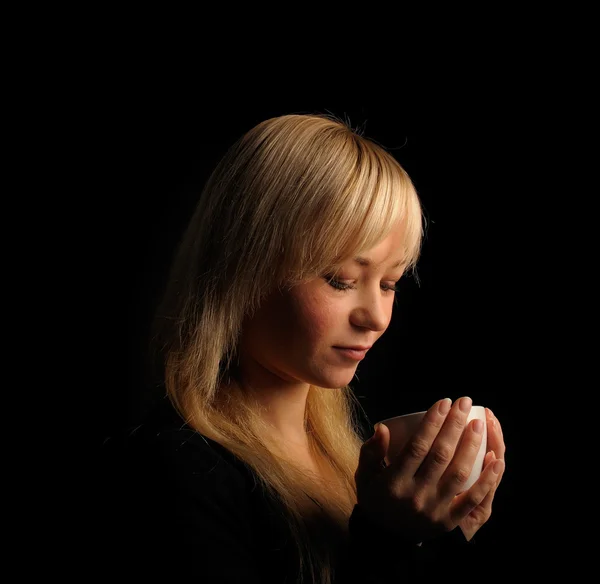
[316, 318]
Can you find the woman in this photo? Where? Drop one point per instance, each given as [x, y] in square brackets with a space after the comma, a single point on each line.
[254, 469]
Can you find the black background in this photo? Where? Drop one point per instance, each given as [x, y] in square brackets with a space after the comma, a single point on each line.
[474, 325]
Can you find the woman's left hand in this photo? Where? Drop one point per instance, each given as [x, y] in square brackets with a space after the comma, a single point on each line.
[495, 450]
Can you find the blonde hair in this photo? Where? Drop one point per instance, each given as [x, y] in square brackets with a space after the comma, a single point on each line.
[291, 200]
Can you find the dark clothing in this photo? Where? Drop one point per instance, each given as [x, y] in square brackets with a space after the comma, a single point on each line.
[176, 503]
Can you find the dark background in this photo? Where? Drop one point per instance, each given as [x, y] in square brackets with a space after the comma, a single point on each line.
[473, 325]
[461, 330]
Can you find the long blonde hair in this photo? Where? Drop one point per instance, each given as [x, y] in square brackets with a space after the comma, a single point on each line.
[291, 200]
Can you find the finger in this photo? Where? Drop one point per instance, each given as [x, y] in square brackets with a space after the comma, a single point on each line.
[494, 435]
[372, 453]
[445, 444]
[417, 448]
[456, 475]
[468, 500]
[486, 504]
[499, 426]
[489, 457]
[495, 426]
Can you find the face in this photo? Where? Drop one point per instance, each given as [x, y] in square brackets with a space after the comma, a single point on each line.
[295, 335]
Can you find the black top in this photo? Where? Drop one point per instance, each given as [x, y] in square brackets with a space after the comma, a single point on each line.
[173, 502]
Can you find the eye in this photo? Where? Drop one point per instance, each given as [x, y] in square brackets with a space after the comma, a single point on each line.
[392, 288]
[341, 286]
[337, 284]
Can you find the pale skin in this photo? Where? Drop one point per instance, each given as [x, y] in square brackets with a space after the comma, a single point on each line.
[290, 343]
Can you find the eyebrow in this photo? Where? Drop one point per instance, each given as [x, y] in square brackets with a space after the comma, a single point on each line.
[367, 262]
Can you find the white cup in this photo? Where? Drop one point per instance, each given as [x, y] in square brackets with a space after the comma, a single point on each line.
[403, 427]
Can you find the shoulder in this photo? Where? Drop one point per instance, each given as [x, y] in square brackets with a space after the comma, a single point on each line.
[162, 477]
[164, 449]
[173, 496]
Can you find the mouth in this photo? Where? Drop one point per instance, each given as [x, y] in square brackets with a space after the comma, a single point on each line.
[352, 352]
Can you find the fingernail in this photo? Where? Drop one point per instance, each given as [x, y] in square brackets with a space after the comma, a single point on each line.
[497, 466]
[465, 404]
[478, 427]
[445, 406]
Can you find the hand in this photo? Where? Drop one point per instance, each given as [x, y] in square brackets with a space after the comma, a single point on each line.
[495, 451]
[416, 495]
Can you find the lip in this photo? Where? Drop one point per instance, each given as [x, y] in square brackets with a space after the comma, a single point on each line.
[353, 352]
[355, 347]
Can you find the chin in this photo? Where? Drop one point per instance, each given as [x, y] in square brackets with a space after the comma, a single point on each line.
[334, 381]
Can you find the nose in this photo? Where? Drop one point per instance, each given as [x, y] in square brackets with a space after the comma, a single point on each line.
[373, 310]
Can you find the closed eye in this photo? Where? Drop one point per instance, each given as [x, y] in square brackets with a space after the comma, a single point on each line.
[343, 287]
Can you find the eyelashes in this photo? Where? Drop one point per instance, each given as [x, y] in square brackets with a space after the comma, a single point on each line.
[343, 287]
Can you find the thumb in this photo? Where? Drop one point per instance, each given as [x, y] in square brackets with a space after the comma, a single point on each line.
[373, 451]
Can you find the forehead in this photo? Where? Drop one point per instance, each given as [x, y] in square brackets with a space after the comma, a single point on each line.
[366, 262]
[388, 253]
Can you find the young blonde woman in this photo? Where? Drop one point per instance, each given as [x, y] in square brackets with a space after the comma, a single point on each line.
[254, 467]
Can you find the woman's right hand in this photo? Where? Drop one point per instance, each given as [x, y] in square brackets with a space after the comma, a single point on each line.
[418, 496]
